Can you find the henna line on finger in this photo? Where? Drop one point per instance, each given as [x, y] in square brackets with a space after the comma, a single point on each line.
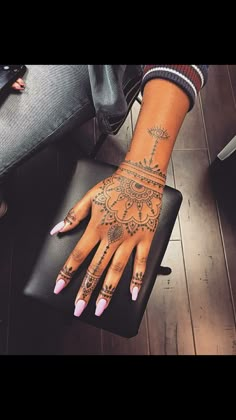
[137, 279]
[66, 273]
[107, 291]
[91, 279]
[70, 217]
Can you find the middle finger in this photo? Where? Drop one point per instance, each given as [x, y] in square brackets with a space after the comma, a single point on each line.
[99, 262]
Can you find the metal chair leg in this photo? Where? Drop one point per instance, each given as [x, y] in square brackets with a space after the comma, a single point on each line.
[165, 271]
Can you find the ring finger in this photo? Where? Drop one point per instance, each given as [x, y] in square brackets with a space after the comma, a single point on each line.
[113, 276]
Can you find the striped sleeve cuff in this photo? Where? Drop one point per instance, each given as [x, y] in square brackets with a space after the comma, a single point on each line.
[190, 77]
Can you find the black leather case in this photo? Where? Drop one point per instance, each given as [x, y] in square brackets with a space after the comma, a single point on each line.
[123, 316]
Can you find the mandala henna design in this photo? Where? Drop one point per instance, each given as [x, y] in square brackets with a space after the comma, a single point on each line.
[88, 285]
[71, 217]
[137, 279]
[135, 197]
[107, 291]
[66, 273]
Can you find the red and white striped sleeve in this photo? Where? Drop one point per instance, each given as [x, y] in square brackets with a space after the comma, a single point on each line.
[190, 77]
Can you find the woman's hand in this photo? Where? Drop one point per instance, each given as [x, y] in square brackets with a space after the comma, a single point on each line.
[19, 85]
[124, 214]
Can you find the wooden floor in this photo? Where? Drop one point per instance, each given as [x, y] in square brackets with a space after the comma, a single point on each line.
[192, 310]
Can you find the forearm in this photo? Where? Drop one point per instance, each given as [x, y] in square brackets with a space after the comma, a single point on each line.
[163, 110]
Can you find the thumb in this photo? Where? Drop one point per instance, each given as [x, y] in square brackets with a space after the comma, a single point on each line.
[74, 216]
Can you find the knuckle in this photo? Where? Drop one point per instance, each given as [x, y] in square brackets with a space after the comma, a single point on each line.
[77, 255]
[117, 267]
[141, 259]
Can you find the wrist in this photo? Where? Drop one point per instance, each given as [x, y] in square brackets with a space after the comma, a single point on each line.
[143, 173]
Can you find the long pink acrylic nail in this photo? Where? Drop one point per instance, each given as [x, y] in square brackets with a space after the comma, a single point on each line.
[135, 293]
[60, 284]
[57, 228]
[102, 304]
[79, 307]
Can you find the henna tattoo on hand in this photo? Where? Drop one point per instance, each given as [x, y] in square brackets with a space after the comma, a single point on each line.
[107, 291]
[66, 273]
[115, 233]
[137, 279]
[159, 134]
[91, 278]
[145, 169]
[141, 177]
[71, 217]
[134, 197]
[88, 285]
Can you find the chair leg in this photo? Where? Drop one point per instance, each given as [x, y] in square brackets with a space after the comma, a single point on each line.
[165, 271]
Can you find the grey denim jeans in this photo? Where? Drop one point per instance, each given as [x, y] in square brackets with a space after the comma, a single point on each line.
[56, 99]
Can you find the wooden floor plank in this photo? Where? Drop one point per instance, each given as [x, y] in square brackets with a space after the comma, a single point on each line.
[220, 120]
[210, 299]
[81, 339]
[191, 134]
[218, 109]
[115, 345]
[175, 235]
[168, 312]
[232, 74]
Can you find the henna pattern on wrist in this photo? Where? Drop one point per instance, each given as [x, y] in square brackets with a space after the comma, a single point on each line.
[141, 177]
[144, 168]
[70, 217]
[158, 133]
[137, 279]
